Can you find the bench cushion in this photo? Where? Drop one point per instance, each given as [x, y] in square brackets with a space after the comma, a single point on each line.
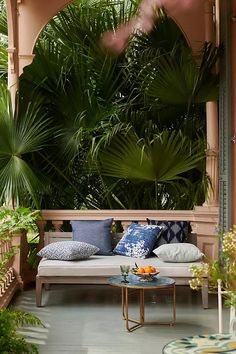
[104, 266]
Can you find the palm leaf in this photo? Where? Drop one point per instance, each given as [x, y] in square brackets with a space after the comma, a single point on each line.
[175, 77]
[166, 158]
[3, 60]
[19, 136]
[3, 19]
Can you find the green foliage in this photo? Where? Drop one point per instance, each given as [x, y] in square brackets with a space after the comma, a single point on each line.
[175, 77]
[3, 41]
[16, 220]
[163, 159]
[11, 342]
[90, 98]
[222, 269]
[22, 135]
[13, 221]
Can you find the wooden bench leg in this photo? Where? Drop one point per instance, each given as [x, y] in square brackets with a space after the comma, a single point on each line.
[205, 294]
[39, 285]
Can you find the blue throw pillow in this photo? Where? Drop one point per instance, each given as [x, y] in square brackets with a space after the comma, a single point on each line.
[94, 232]
[173, 231]
[138, 241]
[67, 250]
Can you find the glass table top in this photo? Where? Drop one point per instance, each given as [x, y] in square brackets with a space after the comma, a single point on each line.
[134, 282]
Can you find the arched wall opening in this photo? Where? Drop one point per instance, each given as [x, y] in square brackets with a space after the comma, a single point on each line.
[35, 16]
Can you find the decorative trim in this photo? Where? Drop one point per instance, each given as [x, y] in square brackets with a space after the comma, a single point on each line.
[11, 55]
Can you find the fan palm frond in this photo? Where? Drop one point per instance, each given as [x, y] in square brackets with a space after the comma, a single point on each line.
[20, 136]
[164, 159]
[176, 78]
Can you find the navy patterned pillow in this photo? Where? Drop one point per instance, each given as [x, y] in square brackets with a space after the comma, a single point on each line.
[173, 231]
[138, 241]
[68, 250]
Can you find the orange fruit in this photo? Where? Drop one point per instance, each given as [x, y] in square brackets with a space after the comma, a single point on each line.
[150, 269]
[141, 270]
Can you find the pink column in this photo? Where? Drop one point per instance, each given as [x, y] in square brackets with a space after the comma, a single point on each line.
[13, 45]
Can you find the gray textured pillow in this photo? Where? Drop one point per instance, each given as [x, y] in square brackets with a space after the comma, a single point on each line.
[178, 252]
[95, 232]
[68, 250]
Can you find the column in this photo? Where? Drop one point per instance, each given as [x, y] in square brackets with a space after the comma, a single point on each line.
[13, 60]
[233, 107]
[212, 152]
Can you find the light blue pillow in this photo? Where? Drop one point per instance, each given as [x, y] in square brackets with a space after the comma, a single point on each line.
[138, 241]
[94, 232]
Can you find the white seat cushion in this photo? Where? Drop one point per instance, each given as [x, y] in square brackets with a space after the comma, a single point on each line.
[103, 266]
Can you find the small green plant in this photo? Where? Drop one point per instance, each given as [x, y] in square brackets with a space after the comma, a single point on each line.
[12, 342]
[223, 269]
[16, 220]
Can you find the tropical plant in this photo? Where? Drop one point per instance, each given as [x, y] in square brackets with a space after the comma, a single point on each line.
[11, 341]
[176, 78]
[163, 159]
[23, 134]
[89, 97]
[162, 162]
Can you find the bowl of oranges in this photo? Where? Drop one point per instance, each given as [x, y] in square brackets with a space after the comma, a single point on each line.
[146, 273]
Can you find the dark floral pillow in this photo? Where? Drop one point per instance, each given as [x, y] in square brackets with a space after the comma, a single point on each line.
[138, 241]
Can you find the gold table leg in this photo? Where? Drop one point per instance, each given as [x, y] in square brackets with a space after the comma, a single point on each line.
[139, 323]
[125, 311]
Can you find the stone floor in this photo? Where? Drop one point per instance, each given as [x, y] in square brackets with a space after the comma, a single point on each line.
[86, 319]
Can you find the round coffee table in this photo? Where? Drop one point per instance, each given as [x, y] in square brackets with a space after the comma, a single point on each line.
[202, 343]
[135, 283]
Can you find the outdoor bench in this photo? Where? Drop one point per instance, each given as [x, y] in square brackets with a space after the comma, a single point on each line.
[98, 268]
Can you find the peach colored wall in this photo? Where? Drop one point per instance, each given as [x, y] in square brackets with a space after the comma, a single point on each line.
[192, 24]
[33, 16]
[233, 60]
[36, 14]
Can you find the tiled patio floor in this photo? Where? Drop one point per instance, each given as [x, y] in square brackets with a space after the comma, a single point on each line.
[86, 319]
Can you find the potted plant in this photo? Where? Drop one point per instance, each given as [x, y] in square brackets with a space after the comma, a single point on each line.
[223, 269]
